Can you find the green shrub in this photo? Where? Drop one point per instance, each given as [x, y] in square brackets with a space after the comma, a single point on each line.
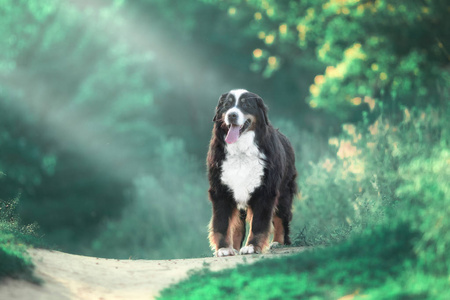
[371, 175]
[14, 260]
[426, 190]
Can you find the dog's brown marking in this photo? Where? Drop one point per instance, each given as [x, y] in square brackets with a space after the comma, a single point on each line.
[237, 228]
[260, 240]
[227, 228]
[218, 240]
[278, 233]
[252, 120]
[249, 221]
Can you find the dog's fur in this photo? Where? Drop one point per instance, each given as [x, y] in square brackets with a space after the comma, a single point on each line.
[253, 177]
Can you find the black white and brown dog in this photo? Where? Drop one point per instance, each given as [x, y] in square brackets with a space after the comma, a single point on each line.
[252, 176]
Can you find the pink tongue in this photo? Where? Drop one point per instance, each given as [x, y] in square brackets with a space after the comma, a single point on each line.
[233, 134]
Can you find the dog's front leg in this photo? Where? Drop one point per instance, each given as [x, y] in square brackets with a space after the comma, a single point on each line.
[219, 227]
[260, 217]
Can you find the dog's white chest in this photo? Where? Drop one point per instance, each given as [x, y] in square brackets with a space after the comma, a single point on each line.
[243, 168]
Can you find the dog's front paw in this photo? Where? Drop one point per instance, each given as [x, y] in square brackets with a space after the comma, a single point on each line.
[226, 252]
[249, 249]
[275, 245]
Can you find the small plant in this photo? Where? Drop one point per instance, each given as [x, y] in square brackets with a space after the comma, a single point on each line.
[14, 260]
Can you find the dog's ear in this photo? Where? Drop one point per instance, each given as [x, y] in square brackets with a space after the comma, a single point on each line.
[263, 108]
[221, 100]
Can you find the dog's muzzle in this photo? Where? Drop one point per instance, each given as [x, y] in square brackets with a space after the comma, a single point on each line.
[234, 116]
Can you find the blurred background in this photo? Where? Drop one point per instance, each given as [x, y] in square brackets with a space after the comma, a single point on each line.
[106, 109]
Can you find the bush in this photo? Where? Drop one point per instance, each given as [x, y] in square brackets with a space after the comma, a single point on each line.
[14, 260]
[426, 191]
[371, 175]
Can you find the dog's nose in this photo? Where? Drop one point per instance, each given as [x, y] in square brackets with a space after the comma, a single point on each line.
[232, 117]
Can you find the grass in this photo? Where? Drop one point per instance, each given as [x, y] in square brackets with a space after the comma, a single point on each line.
[14, 240]
[14, 261]
[379, 264]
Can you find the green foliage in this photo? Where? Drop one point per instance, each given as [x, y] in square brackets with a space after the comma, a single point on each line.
[388, 51]
[14, 260]
[392, 51]
[376, 167]
[48, 131]
[363, 266]
[426, 189]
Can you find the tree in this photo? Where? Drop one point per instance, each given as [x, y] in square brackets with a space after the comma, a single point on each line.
[387, 52]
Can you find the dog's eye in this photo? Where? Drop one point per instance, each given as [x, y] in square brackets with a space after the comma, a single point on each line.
[228, 102]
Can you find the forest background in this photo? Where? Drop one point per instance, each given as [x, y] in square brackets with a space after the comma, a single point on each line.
[106, 108]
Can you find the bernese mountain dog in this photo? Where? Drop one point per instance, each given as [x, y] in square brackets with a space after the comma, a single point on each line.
[252, 176]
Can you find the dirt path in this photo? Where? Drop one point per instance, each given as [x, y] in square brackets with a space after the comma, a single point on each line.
[68, 276]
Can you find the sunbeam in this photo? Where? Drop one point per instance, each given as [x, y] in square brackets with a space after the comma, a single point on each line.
[77, 122]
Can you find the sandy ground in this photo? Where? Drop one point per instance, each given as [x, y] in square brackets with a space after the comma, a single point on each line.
[68, 276]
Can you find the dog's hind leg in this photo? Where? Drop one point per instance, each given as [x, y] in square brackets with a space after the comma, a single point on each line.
[281, 220]
[278, 234]
[283, 215]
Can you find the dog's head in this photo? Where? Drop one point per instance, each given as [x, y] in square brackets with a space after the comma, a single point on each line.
[239, 111]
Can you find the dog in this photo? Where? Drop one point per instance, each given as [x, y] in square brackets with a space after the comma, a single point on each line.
[252, 176]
